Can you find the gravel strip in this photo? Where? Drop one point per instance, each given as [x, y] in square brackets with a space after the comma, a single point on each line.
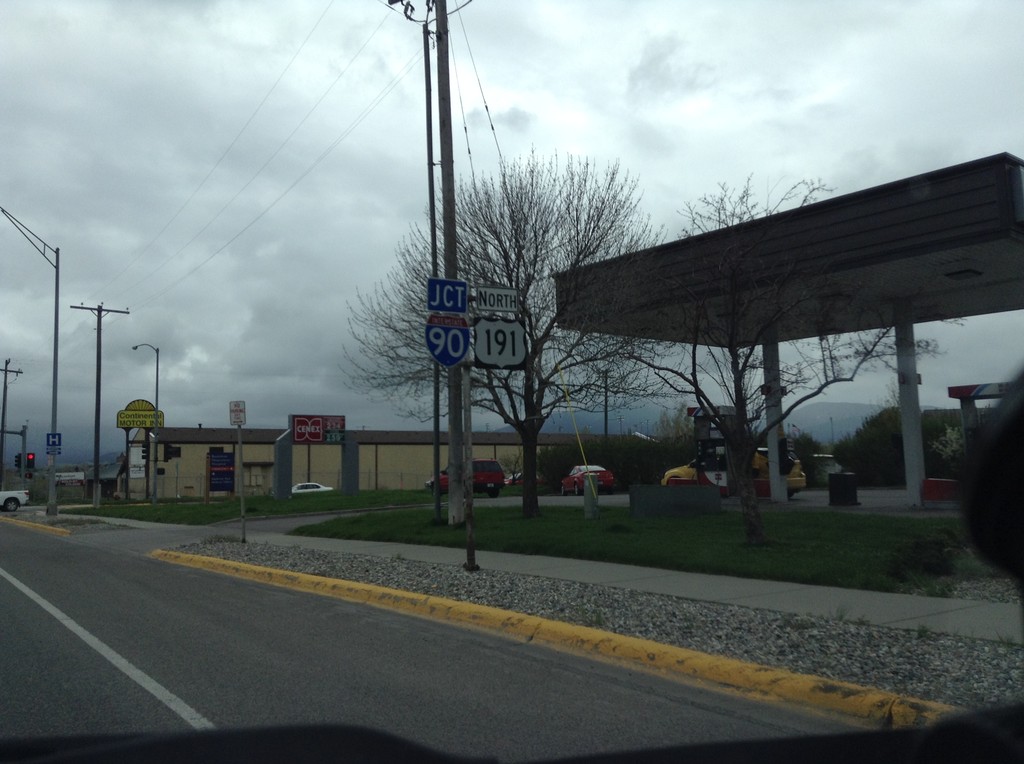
[970, 673]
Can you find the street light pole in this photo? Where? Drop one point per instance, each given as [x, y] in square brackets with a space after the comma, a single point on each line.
[156, 417]
[41, 247]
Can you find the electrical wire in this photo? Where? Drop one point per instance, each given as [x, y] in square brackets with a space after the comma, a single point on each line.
[479, 82]
[220, 159]
[334, 144]
[265, 164]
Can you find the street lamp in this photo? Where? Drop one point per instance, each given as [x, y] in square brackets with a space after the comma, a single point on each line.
[156, 415]
[51, 458]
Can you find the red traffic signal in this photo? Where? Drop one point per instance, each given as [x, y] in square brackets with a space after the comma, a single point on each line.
[30, 461]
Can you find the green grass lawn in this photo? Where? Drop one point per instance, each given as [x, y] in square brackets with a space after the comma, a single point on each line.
[815, 547]
[826, 548]
[198, 513]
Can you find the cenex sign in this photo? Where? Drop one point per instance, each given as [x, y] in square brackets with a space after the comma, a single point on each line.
[317, 428]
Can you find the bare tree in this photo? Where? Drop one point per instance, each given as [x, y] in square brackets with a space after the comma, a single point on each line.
[735, 307]
[535, 219]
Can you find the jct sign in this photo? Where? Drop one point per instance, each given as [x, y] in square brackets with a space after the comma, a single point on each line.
[308, 428]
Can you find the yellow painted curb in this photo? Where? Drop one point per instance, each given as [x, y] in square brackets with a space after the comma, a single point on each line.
[879, 707]
[43, 527]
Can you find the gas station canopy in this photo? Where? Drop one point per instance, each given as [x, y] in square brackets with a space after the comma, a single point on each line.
[945, 244]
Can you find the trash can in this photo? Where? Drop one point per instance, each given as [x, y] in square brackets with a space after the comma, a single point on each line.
[842, 489]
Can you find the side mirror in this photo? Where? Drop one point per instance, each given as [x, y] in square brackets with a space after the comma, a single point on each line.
[994, 495]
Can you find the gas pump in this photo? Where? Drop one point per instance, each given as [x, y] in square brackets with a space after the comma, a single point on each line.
[711, 467]
[712, 463]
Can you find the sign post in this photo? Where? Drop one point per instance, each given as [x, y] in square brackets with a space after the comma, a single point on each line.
[237, 412]
[448, 340]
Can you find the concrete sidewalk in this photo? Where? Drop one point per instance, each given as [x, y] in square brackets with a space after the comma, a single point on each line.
[985, 620]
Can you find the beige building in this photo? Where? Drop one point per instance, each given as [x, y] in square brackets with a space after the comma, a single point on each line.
[388, 459]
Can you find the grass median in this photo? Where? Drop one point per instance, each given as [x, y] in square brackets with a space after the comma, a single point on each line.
[197, 512]
[824, 548]
[846, 549]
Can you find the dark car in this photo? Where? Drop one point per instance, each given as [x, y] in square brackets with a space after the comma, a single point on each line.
[488, 477]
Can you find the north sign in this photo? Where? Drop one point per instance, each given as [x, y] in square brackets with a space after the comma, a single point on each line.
[493, 299]
[447, 338]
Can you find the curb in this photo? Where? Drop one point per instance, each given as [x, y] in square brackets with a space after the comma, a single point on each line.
[41, 527]
[877, 707]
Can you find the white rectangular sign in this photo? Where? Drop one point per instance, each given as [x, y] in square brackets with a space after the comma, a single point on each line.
[494, 299]
[70, 478]
[237, 412]
[136, 466]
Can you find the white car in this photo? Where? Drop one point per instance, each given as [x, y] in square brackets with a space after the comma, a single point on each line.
[310, 488]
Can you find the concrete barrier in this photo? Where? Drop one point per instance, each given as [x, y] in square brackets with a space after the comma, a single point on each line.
[673, 500]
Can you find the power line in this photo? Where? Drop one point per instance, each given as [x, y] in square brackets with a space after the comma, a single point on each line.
[479, 82]
[334, 144]
[221, 158]
[255, 175]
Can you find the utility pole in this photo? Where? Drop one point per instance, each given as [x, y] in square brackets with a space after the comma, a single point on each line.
[99, 310]
[456, 451]
[432, 205]
[41, 247]
[3, 425]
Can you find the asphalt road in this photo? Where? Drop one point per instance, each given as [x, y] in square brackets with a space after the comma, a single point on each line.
[98, 637]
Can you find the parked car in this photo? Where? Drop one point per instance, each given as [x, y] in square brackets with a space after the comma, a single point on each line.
[11, 500]
[575, 481]
[488, 477]
[310, 488]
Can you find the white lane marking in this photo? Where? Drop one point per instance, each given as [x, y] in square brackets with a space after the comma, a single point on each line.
[150, 685]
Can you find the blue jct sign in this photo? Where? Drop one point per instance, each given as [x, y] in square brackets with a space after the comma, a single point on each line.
[447, 296]
[447, 338]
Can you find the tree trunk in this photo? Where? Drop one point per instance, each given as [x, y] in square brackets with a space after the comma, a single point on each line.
[753, 524]
[741, 477]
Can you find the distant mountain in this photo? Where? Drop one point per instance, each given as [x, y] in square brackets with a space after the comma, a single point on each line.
[830, 422]
[823, 421]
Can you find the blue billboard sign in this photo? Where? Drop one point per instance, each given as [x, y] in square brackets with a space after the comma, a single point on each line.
[222, 472]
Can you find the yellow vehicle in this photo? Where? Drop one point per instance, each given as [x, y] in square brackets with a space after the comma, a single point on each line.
[714, 471]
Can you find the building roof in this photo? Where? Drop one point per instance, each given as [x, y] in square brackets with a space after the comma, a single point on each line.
[945, 244]
[226, 435]
[217, 435]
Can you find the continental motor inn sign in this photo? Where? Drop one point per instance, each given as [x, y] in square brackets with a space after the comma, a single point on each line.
[139, 413]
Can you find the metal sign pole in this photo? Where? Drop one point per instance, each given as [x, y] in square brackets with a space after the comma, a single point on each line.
[237, 413]
[240, 475]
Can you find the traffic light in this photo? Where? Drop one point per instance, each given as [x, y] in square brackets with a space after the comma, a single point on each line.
[30, 462]
[17, 461]
[145, 450]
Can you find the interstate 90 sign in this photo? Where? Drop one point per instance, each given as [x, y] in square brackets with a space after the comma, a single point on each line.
[447, 338]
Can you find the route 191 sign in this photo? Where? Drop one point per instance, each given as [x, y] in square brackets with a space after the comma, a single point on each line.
[447, 338]
[500, 343]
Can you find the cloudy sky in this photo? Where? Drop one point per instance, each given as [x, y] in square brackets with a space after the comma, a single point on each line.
[232, 173]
